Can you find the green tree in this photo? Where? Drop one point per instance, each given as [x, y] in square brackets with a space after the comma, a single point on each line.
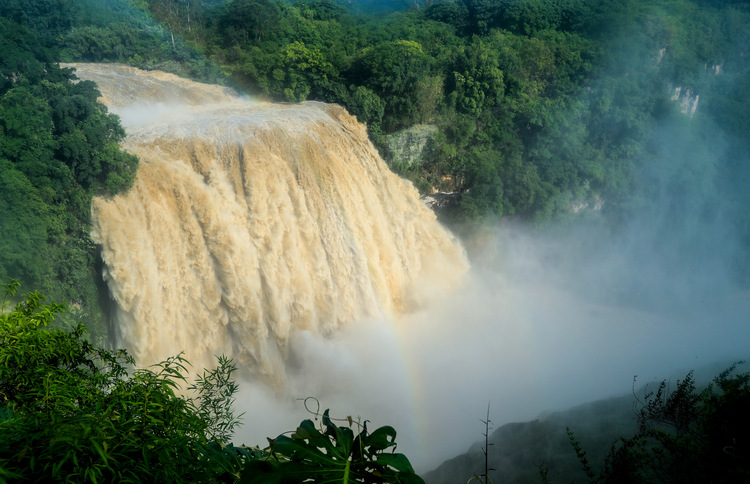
[529, 17]
[23, 227]
[367, 106]
[71, 411]
[299, 71]
[52, 17]
[250, 20]
[484, 14]
[58, 148]
[180, 16]
[684, 435]
[88, 137]
[321, 9]
[393, 71]
[75, 412]
[450, 12]
[477, 81]
[25, 127]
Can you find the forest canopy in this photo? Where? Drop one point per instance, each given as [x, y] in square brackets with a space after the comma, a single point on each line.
[533, 110]
[58, 148]
[542, 106]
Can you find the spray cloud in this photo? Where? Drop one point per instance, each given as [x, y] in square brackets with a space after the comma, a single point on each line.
[545, 318]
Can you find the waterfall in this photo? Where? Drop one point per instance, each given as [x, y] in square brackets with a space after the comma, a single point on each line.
[251, 221]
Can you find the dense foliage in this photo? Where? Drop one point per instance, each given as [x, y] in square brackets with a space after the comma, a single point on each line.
[541, 109]
[544, 108]
[58, 148]
[125, 32]
[331, 454]
[71, 411]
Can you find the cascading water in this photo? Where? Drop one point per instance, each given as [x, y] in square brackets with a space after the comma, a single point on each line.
[249, 221]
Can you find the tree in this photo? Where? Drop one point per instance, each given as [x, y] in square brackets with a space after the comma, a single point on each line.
[52, 18]
[71, 411]
[58, 148]
[366, 106]
[484, 14]
[179, 16]
[428, 95]
[250, 20]
[684, 435]
[88, 137]
[450, 12]
[297, 71]
[25, 127]
[477, 80]
[22, 55]
[23, 227]
[393, 70]
[321, 9]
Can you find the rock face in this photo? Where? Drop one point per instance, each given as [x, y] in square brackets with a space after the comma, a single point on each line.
[408, 146]
[687, 99]
[249, 222]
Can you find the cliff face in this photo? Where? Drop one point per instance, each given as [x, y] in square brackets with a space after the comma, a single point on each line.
[687, 99]
[408, 146]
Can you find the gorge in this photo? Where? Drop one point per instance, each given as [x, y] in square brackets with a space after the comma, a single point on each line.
[276, 235]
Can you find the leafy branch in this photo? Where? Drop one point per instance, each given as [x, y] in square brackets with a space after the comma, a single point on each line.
[329, 453]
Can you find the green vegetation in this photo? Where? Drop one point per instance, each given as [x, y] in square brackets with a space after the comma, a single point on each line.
[535, 108]
[58, 148]
[542, 106]
[124, 32]
[691, 431]
[71, 411]
[332, 454]
[518, 452]
[538, 110]
[684, 435]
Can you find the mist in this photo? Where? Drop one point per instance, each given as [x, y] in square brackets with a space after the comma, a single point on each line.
[546, 319]
[208, 257]
[516, 336]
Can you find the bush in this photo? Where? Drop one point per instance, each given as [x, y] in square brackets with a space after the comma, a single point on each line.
[70, 411]
[684, 435]
[74, 412]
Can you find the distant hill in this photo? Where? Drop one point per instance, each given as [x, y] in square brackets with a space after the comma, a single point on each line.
[519, 451]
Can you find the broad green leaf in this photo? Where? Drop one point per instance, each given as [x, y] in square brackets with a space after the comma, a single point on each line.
[381, 438]
[398, 462]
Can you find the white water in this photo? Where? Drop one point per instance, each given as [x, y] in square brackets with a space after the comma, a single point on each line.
[313, 220]
[250, 222]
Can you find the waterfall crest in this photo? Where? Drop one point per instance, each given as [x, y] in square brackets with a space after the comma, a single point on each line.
[250, 221]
